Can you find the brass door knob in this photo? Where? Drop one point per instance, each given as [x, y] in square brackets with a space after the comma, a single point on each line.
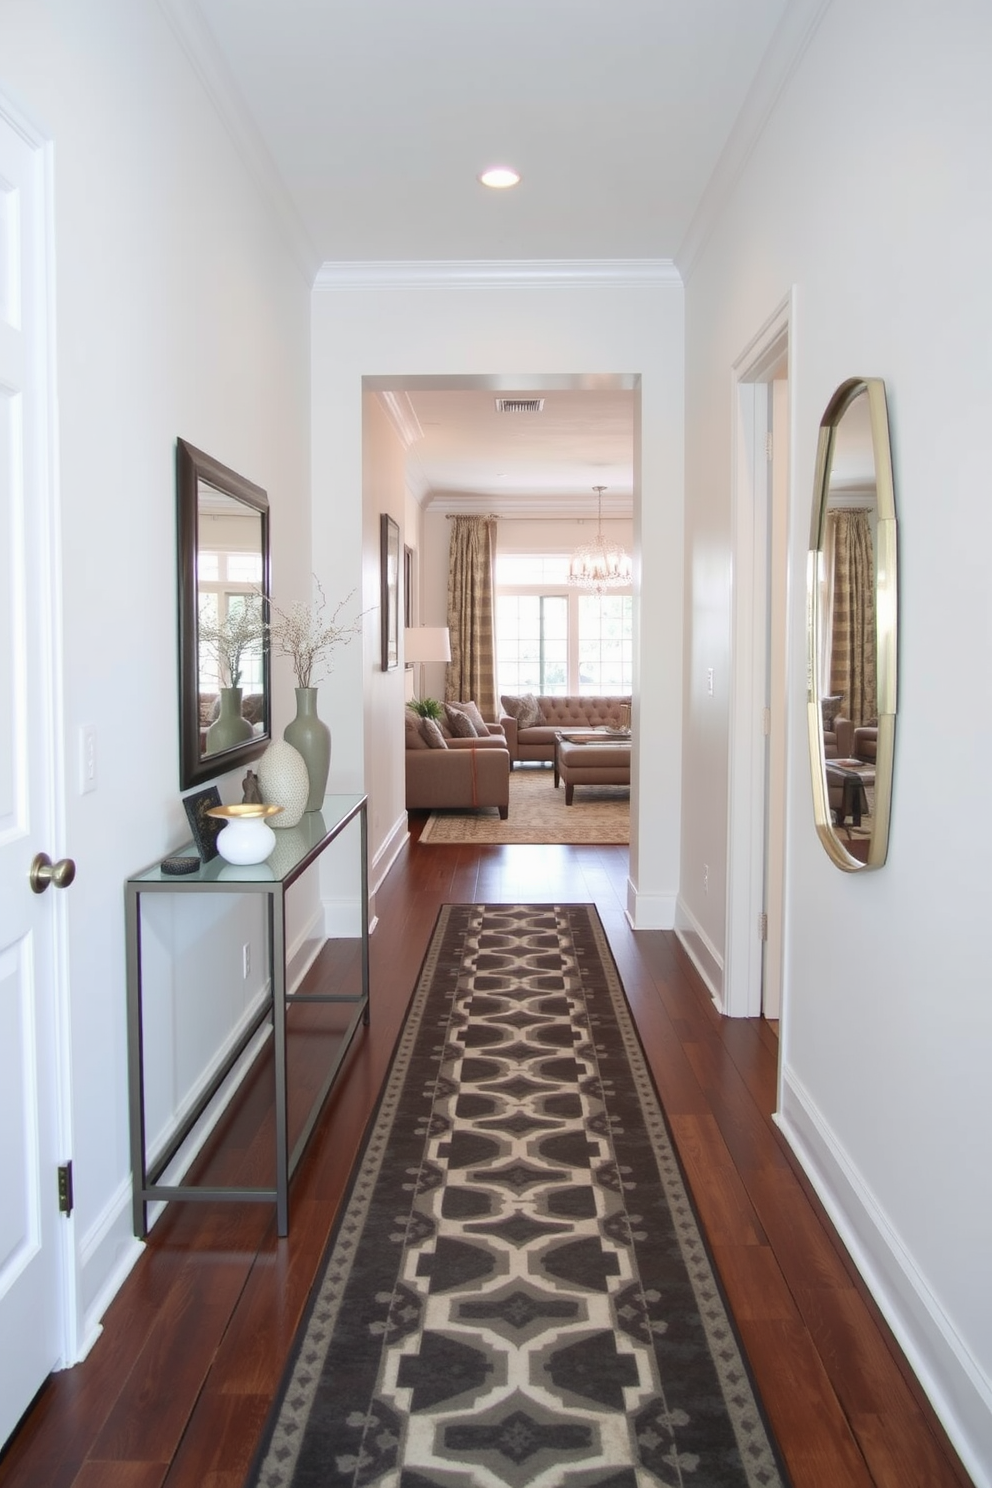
[43, 872]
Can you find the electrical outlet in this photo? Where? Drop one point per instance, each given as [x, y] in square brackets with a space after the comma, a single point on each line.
[246, 959]
[706, 878]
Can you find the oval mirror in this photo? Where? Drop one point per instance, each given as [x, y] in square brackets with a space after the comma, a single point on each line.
[223, 596]
[851, 627]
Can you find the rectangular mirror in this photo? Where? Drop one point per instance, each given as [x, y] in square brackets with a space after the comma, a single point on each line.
[223, 551]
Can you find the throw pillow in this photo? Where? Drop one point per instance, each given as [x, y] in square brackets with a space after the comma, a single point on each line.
[526, 710]
[830, 707]
[472, 709]
[433, 735]
[414, 738]
[459, 723]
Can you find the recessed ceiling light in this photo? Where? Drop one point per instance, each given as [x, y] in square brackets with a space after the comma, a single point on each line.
[499, 177]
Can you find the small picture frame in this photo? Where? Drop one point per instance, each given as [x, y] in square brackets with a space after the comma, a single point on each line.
[205, 829]
[390, 561]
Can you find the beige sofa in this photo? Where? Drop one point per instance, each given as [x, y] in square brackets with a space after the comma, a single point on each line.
[464, 773]
[537, 741]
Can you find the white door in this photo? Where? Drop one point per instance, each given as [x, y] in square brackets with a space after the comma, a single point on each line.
[31, 1243]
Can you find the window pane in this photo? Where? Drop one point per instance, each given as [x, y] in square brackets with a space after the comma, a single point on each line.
[514, 570]
[532, 644]
[605, 645]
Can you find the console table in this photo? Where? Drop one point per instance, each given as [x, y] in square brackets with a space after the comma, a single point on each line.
[316, 831]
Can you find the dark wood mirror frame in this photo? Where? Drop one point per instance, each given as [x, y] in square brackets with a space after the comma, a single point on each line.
[193, 470]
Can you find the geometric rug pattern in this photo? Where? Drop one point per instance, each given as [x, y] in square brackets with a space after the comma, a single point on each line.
[518, 1292]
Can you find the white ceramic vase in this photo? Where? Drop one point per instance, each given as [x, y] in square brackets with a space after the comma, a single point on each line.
[246, 839]
[284, 781]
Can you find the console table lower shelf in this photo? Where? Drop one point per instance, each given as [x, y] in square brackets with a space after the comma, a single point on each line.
[316, 831]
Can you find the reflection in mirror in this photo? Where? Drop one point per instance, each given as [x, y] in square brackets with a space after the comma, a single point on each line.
[223, 597]
[852, 627]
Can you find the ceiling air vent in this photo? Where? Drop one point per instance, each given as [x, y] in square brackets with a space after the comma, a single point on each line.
[519, 405]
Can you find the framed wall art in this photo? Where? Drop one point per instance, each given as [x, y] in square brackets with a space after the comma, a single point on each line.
[205, 829]
[390, 613]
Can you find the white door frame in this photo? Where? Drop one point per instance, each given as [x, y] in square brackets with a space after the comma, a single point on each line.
[760, 605]
[47, 610]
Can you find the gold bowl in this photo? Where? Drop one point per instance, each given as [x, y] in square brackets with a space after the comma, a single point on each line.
[245, 811]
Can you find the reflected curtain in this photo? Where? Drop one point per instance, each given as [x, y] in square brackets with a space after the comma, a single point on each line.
[471, 673]
[853, 647]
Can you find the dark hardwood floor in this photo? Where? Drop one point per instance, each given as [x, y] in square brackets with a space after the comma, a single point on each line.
[177, 1388]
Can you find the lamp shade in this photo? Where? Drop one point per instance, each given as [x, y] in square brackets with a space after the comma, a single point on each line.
[427, 643]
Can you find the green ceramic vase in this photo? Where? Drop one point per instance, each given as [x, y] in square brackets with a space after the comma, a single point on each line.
[311, 736]
[229, 727]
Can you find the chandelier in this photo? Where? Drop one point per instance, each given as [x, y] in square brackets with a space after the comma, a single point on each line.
[599, 565]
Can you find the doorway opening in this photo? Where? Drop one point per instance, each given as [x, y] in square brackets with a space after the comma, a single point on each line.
[535, 469]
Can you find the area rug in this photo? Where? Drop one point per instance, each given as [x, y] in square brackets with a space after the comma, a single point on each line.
[518, 1292]
[598, 814]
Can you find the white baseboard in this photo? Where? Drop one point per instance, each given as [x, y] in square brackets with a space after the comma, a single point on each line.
[388, 853]
[107, 1252]
[958, 1390]
[701, 952]
[649, 911]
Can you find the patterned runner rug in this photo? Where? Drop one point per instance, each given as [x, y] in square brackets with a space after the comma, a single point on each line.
[518, 1292]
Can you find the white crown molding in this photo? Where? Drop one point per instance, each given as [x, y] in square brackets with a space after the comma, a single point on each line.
[562, 507]
[522, 273]
[198, 43]
[786, 49]
[402, 415]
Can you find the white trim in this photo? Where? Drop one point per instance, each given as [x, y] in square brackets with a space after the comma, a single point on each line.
[491, 273]
[207, 61]
[788, 45]
[50, 612]
[399, 410]
[748, 799]
[649, 911]
[107, 1253]
[396, 840]
[952, 1378]
[701, 952]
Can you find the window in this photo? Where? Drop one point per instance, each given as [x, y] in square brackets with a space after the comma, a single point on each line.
[225, 581]
[532, 644]
[605, 644]
[554, 640]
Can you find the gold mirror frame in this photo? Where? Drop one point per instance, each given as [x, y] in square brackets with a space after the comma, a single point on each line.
[871, 851]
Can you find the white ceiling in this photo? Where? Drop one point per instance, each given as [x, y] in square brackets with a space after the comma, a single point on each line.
[468, 457]
[379, 115]
[373, 118]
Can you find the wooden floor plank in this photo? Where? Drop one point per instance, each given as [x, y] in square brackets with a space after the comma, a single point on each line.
[177, 1388]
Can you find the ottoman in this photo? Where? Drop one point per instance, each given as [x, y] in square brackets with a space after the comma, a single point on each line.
[592, 762]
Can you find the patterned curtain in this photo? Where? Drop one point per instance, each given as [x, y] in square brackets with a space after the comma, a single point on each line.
[471, 673]
[853, 647]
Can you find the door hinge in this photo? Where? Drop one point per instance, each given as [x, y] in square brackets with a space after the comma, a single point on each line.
[65, 1188]
[762, 926]
[766, 721]
[769, 446]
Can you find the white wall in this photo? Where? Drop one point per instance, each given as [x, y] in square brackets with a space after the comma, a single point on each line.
[868, 192]
[524, 329]
[180, 312]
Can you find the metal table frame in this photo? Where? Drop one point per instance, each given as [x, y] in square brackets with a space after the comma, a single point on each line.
[339, 811]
